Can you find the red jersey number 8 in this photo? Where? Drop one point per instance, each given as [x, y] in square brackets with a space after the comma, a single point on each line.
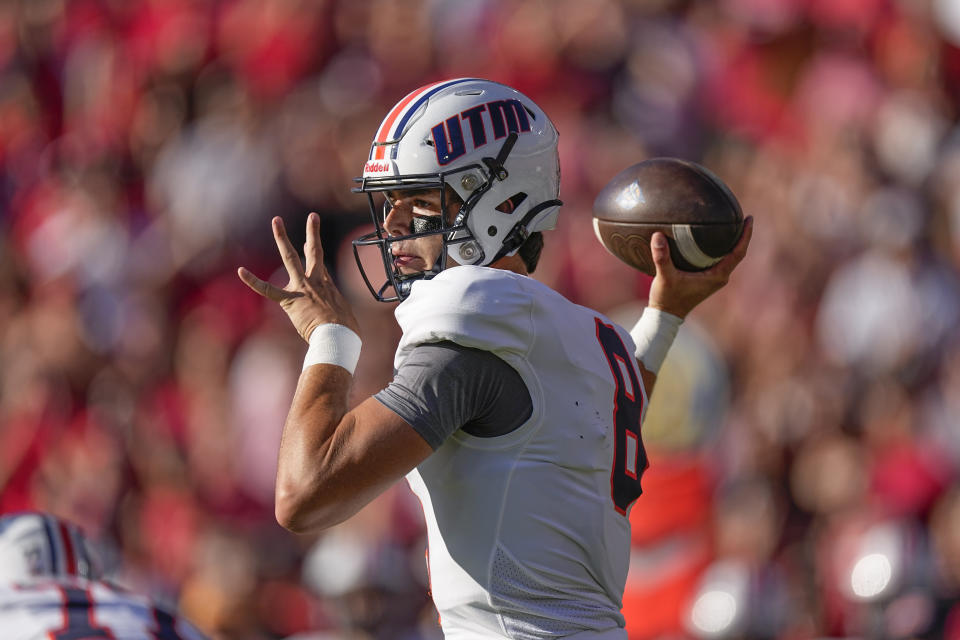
[629, 456]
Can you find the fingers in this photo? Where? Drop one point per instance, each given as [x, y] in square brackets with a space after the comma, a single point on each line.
[265, 289]
[287, 253]
[660, 251]
[313, 248]
[732, 259]
[740, 250]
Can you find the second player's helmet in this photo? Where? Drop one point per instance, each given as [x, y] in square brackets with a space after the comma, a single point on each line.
[38, 545]
[491, 145]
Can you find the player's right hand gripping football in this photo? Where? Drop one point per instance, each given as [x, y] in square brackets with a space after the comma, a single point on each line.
[310, 298]
[678, 292]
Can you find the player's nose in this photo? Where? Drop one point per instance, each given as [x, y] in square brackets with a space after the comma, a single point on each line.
[397, 221]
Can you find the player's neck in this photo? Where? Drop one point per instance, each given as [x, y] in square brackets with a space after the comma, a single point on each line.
[512, 263]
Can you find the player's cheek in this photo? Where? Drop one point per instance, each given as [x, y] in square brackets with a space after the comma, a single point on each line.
[434, 245]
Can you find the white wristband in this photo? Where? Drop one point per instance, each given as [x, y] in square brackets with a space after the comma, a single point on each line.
[333, 344]
[653, 335]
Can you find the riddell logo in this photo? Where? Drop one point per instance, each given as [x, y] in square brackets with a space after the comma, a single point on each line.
[376, 167]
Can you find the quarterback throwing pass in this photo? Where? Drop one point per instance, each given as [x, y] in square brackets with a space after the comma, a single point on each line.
[514, 413]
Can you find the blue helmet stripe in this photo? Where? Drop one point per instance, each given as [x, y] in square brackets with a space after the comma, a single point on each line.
[51, 540]
[416, 105]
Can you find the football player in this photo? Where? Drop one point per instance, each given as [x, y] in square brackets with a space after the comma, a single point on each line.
[514, 413]
[51, 587]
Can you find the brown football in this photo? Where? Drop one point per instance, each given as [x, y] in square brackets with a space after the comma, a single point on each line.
[694, 208]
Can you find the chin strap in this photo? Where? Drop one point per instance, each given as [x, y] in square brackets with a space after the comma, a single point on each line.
[519, 233]
[495, 165]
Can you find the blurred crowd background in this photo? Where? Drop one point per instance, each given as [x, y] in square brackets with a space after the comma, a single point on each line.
[804, 439]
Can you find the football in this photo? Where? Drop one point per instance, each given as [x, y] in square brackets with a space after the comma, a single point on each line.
[694, 208]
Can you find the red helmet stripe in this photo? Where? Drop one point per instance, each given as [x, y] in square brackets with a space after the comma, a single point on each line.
[70, 557]
[384, 132]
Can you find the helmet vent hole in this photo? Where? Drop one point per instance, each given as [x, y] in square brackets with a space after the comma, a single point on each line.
[469, 92]
[491, 231]
[510, 204]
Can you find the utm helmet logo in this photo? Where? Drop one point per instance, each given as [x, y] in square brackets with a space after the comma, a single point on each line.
[502, 117]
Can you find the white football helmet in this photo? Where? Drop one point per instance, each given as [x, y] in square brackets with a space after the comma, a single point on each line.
[492, 145]
[35, 545]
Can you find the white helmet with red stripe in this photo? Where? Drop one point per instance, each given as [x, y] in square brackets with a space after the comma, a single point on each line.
[492, 145]
[35, 544]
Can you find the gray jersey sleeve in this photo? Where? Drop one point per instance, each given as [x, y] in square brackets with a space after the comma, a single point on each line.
[443, 386]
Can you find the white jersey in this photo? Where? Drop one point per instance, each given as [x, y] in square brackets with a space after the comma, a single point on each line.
[79, 609]
[528, 532]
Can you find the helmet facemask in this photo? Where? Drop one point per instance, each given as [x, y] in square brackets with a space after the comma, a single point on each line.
[443, 225]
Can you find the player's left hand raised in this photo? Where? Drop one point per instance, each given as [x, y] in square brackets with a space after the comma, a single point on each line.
[310, 298]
